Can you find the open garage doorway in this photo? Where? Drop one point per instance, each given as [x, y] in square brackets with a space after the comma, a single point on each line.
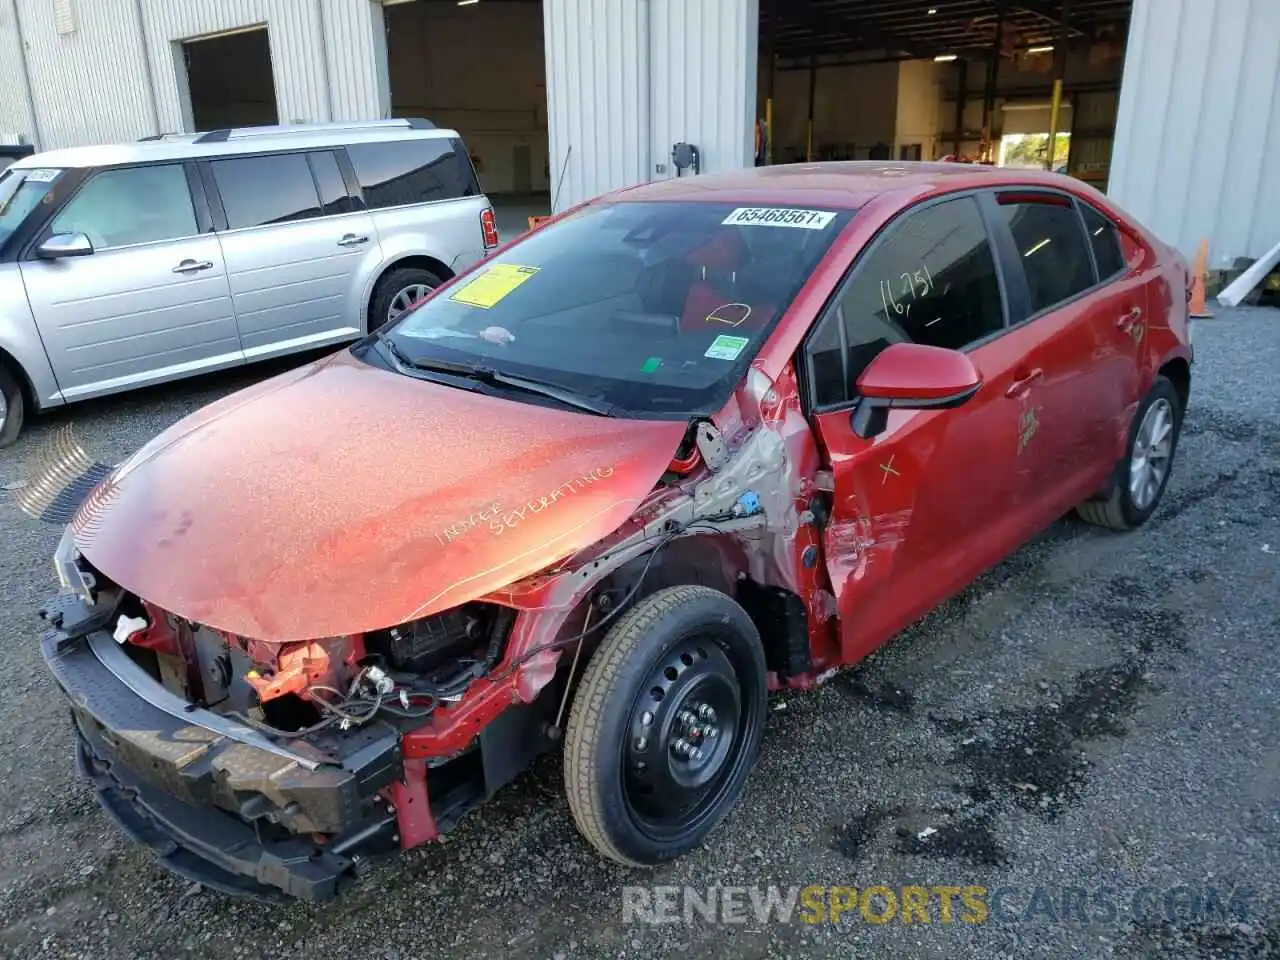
[977, 81]
[229, 80]
[479, 67]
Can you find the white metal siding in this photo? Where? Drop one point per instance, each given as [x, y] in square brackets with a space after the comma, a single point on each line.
[1198, 132]
[16, 120]
[87, 84]
[597, 95]
[324, 56]
[703, 74]
[627, 79]
[94, 83]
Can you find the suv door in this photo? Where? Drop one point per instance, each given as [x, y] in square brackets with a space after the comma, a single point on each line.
[298, 246]
[1085, 340]
[151, 301]
[920, 510]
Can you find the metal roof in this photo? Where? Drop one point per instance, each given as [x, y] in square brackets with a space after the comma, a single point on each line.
[232, 143]
[921, 28]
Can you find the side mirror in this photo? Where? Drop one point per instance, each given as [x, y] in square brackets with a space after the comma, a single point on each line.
[62, 245]
[911, 376]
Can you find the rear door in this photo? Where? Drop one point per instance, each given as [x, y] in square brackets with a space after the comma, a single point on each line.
[298, 248]
[151, 302]
[941, 495]
[1085, 337]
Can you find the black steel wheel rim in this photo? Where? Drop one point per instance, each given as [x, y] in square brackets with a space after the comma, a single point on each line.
[686, 737]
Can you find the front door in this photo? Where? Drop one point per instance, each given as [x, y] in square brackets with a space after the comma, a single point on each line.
[941, 495]
[150, 303]
[295, 243]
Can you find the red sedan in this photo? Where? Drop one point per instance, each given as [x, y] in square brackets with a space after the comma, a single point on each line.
[680, 446]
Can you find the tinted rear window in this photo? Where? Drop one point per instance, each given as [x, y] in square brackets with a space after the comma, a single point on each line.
[656, 308]
[401, 172]
[1051, 247]
[257, 191]
[1105, 239]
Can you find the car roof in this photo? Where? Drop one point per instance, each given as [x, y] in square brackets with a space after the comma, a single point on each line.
[840, 184]
[190, 146]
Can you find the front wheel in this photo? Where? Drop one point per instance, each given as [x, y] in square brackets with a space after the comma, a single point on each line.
[666, 725]
[1141, 477]
[12, 407]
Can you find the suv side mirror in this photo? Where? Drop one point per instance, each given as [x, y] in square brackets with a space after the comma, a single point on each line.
[911, 376]
[62, 245]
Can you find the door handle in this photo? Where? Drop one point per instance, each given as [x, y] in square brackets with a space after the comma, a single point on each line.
[1127, 322]
[1023, 383]
[193, 266]
[351, 240]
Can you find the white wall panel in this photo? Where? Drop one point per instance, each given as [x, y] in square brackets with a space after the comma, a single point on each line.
[704, 58]
[323, 55]
[88, 84]
[1198, 130]
[627, 79]
[597, 95]
[16, 119]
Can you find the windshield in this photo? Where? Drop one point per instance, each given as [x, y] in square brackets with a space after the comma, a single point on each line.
[20, 192]
[653, 308]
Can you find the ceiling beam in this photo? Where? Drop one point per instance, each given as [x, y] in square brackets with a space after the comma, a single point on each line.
[853, 27]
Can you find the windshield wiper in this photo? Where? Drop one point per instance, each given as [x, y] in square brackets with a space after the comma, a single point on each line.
[488, 375]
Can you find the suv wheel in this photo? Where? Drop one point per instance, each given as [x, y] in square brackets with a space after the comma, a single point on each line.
[12, 407]
[399, 291]
[1141, 477]
[666, 725]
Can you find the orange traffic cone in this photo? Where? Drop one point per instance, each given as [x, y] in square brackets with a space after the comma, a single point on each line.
[1197, 305]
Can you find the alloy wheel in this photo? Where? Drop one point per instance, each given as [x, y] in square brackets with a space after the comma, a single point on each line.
[406, 299]
[1152, 451]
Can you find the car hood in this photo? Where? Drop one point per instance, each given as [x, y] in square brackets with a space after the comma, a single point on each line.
[340, 498]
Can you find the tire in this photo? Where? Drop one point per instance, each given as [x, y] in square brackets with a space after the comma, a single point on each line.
[677, 652]
[12, 407]
[399, 281]
[1122, 509]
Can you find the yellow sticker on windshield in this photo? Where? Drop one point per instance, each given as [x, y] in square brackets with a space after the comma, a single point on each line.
[492, 284]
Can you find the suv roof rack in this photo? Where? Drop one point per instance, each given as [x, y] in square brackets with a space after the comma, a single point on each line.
[244, 133]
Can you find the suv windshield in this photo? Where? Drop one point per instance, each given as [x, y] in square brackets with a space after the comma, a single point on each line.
[651, 308]
[20, 192]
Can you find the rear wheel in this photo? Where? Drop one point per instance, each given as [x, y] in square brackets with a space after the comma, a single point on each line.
[398, 292]
[12, 407]
[665, 726]
[1142, 476]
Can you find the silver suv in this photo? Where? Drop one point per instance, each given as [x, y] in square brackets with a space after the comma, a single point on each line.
[128, 265]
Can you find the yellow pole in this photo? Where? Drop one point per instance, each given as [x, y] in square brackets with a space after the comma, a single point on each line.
[1054, 107]
[768, 131]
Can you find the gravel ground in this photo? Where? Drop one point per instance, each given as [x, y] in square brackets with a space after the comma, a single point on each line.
[1099, 711]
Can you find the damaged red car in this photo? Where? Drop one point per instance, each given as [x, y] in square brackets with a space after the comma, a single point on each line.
[684, 445]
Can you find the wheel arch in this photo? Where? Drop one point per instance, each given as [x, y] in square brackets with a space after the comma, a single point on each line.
[420, 260]
[11, 365]
[1177, 370]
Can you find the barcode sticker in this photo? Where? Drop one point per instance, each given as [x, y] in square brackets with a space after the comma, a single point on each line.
[779, 217]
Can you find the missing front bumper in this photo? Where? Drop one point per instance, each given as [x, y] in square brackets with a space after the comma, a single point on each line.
[231, 815]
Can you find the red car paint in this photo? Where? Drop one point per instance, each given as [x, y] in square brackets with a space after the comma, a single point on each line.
[339, 498]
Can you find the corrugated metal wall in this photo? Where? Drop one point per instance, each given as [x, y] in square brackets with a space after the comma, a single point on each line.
[1197, 148]
[323, 56]
[627, 79]
[597, 95]
[16, 120]
[328, 61]
[703, 61]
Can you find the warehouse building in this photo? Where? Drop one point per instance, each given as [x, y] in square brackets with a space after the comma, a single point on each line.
[1171, 106]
